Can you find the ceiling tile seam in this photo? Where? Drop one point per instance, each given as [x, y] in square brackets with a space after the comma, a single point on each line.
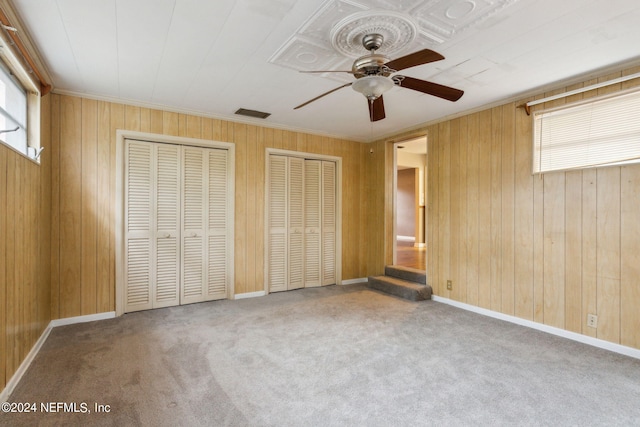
[245, 66]
[568, 36]
[164, 48]
[256, 49]
[73, 54]
[115, 7]
[209, 51]
[532, 31]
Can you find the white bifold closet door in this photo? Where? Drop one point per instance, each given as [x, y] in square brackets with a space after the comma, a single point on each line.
[278, 233]
[312, 223]
[204, 251]
[328, 230]
[302, 246]
[152, 225]
[175, 225]
[296, 216]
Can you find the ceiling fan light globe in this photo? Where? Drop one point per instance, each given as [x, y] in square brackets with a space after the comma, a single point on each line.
[372, 86]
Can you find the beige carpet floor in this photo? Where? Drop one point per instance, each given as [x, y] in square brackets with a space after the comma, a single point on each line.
[334, 356]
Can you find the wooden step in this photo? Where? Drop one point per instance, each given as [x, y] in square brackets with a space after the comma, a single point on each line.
[406, 273]
[400, 287]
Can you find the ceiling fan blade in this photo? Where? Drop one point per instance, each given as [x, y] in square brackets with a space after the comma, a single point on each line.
[376, 109]
[320, 96]
[327, 71]
[430, 88]
[416, 58]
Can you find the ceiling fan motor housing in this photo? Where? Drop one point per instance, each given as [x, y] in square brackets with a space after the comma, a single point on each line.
[371, 65]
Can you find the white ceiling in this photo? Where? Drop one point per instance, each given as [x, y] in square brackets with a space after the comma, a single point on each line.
[211, 57]
[413, 146]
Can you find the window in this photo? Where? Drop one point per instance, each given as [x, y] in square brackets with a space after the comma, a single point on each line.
[601, 131]
[13, 112]
[19, 104]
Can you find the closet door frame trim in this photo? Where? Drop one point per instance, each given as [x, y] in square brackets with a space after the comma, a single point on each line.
[307, 156]
[121, 136]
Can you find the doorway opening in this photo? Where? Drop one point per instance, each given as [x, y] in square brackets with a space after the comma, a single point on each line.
[410, 163]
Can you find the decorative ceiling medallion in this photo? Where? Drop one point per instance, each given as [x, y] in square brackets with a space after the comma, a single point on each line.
[398, 30]
[332, 36]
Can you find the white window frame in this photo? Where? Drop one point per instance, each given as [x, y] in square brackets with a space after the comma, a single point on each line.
[32, 148]
[597, 132]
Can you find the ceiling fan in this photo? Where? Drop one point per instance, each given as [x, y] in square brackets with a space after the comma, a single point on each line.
[373, 73]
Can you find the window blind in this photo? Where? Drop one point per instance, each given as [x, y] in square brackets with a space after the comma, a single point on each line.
[598, 132]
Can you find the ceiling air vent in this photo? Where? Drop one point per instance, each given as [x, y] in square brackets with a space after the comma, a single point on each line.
[252, 113]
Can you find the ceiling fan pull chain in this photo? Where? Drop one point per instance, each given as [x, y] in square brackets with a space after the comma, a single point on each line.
[371, 114]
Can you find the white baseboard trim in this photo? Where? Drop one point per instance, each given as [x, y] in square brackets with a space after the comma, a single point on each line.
[354, 281]
[17, 376]
[419, 245]
[82, 319]
[250, 295]
[595, 342]
[406, 238]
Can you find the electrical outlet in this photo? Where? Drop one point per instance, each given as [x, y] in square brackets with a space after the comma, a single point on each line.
[592, 320]
[449, 285]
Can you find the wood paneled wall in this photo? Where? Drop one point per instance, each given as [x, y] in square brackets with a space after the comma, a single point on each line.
[25, 208]
[377, 224]
[550, 248]
[83, 197]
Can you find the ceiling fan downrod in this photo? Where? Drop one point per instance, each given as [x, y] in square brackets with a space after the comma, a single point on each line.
[372, 42]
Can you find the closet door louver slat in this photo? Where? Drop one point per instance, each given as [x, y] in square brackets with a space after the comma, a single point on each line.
[296, 223]
[194, 216]
[167, 225]
[328, 223]
[313, 242]
[217, 274]
[277, 255]
[138, 226]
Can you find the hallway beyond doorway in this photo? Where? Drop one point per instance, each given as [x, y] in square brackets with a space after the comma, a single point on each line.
[409, 256]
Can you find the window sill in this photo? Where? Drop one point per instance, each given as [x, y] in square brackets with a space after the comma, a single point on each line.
[15, 150]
